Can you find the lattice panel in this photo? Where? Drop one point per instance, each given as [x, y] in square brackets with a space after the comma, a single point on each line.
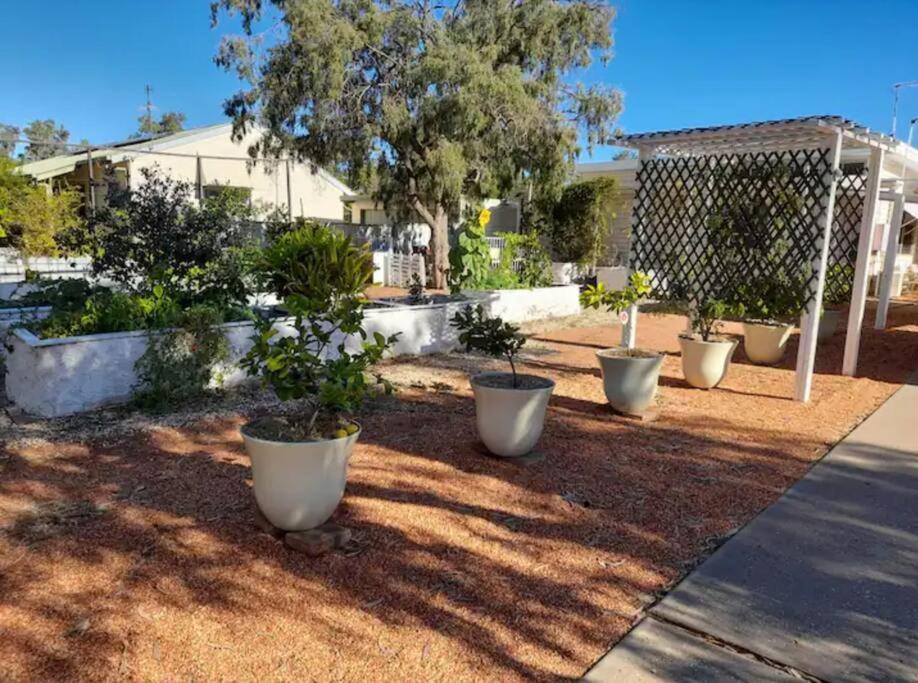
[849, 209]
[705, 225]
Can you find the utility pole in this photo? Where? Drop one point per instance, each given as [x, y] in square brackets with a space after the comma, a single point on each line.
[149, 109]
[896, 88]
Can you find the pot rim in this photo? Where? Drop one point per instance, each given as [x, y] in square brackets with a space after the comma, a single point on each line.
[609, 353]
[314, 442]
[492, 373]
[768, 323]
[711, 342]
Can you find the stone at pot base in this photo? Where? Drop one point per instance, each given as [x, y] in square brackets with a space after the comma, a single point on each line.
[265, 526]
[318, 541]
[650, 414]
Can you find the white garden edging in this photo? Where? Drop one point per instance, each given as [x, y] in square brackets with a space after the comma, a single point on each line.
[55, 377]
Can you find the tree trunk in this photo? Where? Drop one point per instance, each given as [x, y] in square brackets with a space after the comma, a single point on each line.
[439, 249]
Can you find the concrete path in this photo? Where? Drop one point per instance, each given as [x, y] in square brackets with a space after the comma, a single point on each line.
[823, 585]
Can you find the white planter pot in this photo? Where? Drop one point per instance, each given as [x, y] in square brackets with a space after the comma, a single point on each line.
[562, 273]
[629, 382]
[765, 344]
[828, 324]
[298, 485]
[510, 420]
[705, 363]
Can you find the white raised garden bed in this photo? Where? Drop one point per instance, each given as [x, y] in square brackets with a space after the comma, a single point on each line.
[55, 377]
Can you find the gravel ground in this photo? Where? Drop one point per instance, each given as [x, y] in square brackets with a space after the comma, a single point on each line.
[128, 548]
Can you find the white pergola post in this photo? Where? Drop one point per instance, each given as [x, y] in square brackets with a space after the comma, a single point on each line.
[629, 328]
[809, 321]
[889, 261]
[859, 289]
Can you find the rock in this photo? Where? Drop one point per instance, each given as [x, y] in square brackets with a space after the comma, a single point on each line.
[318, 541]
[265, 526]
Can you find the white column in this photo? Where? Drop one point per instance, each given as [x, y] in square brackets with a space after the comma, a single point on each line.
[629, 328]
[809, 321]
[889, 261]
[859, 289]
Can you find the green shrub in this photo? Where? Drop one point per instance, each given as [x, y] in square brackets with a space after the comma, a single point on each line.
[706, 318]
[526, 250]
[180, 363]
[321, 276]
[470, 257]
[581, 220]
[616, 301]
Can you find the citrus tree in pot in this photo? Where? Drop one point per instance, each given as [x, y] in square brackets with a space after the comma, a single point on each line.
[299, 463]
[629, 376]
[509, 406]
[705, 354]
[839, 280]
[769, 305]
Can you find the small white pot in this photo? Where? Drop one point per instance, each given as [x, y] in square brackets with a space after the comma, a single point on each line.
[828, 324]
[765, 343]
[298, 485]
[562, 273]
[629, 382]
[705, 363]
[510, 421]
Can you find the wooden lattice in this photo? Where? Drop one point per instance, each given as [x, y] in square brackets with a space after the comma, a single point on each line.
[705, 225]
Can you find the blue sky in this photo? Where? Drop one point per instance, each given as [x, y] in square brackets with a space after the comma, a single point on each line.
[679, 63]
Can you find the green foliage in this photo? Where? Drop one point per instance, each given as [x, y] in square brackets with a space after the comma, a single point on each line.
[79, 308]
[470, 258]
[839, 283]
[155, 234]
[706, 318]
[492, 336]
[170, 122]
[321, 276]
[46, 139]
[581, 220]
[616, 301]
[422, 103]
[777, 299]
[8, 136]
[525, 250]
[180, 363]
[31, 217]
[416, 289]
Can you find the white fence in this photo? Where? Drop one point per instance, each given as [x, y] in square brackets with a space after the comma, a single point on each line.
[402, 267]
[13, 267]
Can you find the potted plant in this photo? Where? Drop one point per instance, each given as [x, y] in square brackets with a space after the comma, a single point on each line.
[509, 407]
[705, 354]
[629, 376]
[770, 304]
[837, 294]
[299, 463]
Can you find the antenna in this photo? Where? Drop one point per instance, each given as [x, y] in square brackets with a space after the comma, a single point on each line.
[896, 87]
[149, 107]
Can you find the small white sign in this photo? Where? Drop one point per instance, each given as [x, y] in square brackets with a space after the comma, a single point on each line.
[623, 316]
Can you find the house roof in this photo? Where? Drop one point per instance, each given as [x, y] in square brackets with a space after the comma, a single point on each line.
[127, 149]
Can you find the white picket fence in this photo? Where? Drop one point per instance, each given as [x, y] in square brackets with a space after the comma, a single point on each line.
[13, 267]
[402, 267]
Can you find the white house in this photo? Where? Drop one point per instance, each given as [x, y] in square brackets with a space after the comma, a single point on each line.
[208, 159]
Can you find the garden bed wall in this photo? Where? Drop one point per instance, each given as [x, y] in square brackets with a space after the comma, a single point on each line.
[56, 377]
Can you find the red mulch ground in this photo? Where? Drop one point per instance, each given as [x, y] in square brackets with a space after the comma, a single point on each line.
[137, 557]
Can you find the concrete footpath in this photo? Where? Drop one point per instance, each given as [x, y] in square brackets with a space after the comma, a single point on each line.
[821, 586]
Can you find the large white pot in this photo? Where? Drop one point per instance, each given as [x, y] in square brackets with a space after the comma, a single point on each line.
[510, 420]
[705, 363]
[629, 381]
[765, 343]
[298, 485]
[562, 273]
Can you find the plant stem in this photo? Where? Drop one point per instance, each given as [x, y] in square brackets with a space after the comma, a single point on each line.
[513, 370]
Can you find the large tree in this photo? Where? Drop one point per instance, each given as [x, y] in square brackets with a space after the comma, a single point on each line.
[420, 102]
[46, 139]
[8, 136]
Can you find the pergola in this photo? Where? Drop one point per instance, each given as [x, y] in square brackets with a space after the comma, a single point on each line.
[683, 174]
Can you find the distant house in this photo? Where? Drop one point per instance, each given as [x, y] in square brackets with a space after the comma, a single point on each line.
[206, 158]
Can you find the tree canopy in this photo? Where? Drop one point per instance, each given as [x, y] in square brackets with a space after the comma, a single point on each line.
[169, 122]
[46, 139]
[423, 103]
